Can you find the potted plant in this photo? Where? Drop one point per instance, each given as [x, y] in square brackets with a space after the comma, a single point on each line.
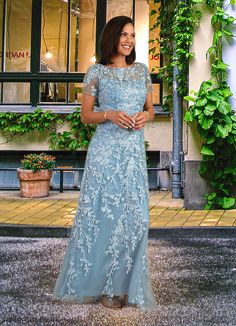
[35, 175]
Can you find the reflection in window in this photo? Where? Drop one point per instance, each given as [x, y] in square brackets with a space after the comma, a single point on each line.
[143, 22]
[1, 26]
[57, 92]
[83, 34]
[54, 35]
[75, 92]
[156, 94]
[16, 92]
[154, 46]
[147, 52]
[54, 42]
[53, 92]
[18, 37]
[119, 8]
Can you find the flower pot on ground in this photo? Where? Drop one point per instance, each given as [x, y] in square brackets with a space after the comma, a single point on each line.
[35, 175]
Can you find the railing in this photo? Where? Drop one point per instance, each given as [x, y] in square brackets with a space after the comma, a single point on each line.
[61, 177]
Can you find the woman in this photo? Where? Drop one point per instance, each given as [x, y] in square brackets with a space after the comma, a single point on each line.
[106, 259]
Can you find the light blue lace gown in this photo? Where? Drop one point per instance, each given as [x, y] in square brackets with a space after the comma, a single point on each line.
[106, 253]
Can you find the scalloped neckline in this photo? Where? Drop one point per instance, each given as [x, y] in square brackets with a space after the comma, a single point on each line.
[131, 66]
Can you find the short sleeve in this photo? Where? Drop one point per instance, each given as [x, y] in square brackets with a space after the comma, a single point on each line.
[90, 83]
[148, 81]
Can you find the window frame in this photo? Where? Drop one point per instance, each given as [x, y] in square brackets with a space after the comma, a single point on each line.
[35, 76]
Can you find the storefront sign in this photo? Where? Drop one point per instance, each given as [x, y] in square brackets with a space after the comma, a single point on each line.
[16, 54]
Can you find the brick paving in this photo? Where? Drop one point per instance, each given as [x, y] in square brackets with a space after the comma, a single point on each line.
[59, 210]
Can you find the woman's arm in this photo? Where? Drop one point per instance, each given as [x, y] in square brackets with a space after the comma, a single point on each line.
[148, 106]
[88, 116]
[147, 115]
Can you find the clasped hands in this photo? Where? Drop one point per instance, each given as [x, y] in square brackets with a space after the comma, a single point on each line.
[125, 121]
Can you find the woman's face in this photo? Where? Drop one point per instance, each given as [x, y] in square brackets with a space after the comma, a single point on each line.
[127, 40]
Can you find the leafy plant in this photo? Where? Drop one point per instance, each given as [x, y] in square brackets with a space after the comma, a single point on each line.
[216, 121]
[37, 162]
[211, 110]
[14, 125]
[177, 20]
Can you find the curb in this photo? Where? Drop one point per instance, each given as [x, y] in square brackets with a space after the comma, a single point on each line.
[32, 231]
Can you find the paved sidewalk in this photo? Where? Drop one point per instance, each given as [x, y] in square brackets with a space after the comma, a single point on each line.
[58, 210]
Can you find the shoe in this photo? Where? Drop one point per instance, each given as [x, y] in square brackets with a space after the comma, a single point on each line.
[114, 302]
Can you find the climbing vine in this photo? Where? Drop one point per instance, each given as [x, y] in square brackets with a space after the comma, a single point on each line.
[216, 120]
[178, 22]
[14, 125]
[210, 109]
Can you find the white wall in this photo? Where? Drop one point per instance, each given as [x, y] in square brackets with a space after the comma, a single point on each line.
[229, 51]
[199, 70]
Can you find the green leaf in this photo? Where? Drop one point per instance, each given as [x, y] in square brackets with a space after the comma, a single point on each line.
[153, 12]
[189, 98]
[214, 19]
[206, 85]
[207, 151]
[227, 202]
[212, 96]
[205, 122]
[201, 102]
[202, 132]
[152, 50]
[209, 109]
[188, 117]
[211, 196]
[196, 112]
[207, 207]
[210, 140]
[227, 32]
[233, 117]
[224, 108]
[203, 168]
[220, 65]
[230, 170]
[221, 131]
[211, 50]
[226, 92]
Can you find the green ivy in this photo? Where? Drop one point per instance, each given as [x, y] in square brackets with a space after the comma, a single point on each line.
[14, 125]
[178, 22]
[216, 120]
[211, 110]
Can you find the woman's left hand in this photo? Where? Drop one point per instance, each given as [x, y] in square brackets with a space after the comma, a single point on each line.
[140, 119]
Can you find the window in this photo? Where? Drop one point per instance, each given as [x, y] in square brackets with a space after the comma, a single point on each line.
[47, 46]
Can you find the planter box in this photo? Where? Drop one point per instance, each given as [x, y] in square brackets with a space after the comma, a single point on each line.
[34, 185]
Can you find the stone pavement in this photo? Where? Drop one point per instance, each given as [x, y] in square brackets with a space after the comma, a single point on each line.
[193, 281]
[58, 210]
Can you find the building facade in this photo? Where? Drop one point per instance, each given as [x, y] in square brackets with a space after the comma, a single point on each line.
[46, 48]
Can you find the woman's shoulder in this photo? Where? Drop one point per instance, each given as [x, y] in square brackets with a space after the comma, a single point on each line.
[141, 66]
[93, 70]
[94, 67]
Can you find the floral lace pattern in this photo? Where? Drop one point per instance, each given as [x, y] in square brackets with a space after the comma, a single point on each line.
[106, 253]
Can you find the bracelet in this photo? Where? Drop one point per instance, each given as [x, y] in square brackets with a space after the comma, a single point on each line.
[147, 115]
[105, 115]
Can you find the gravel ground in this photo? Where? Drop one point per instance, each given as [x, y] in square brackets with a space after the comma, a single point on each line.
[194, 283]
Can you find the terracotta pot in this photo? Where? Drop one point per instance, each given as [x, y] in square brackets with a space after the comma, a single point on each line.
[34, 185]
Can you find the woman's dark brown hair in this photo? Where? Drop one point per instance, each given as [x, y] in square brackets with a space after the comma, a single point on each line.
[110, 39]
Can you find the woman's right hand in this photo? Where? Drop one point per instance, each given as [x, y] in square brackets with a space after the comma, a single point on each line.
[121, 119]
